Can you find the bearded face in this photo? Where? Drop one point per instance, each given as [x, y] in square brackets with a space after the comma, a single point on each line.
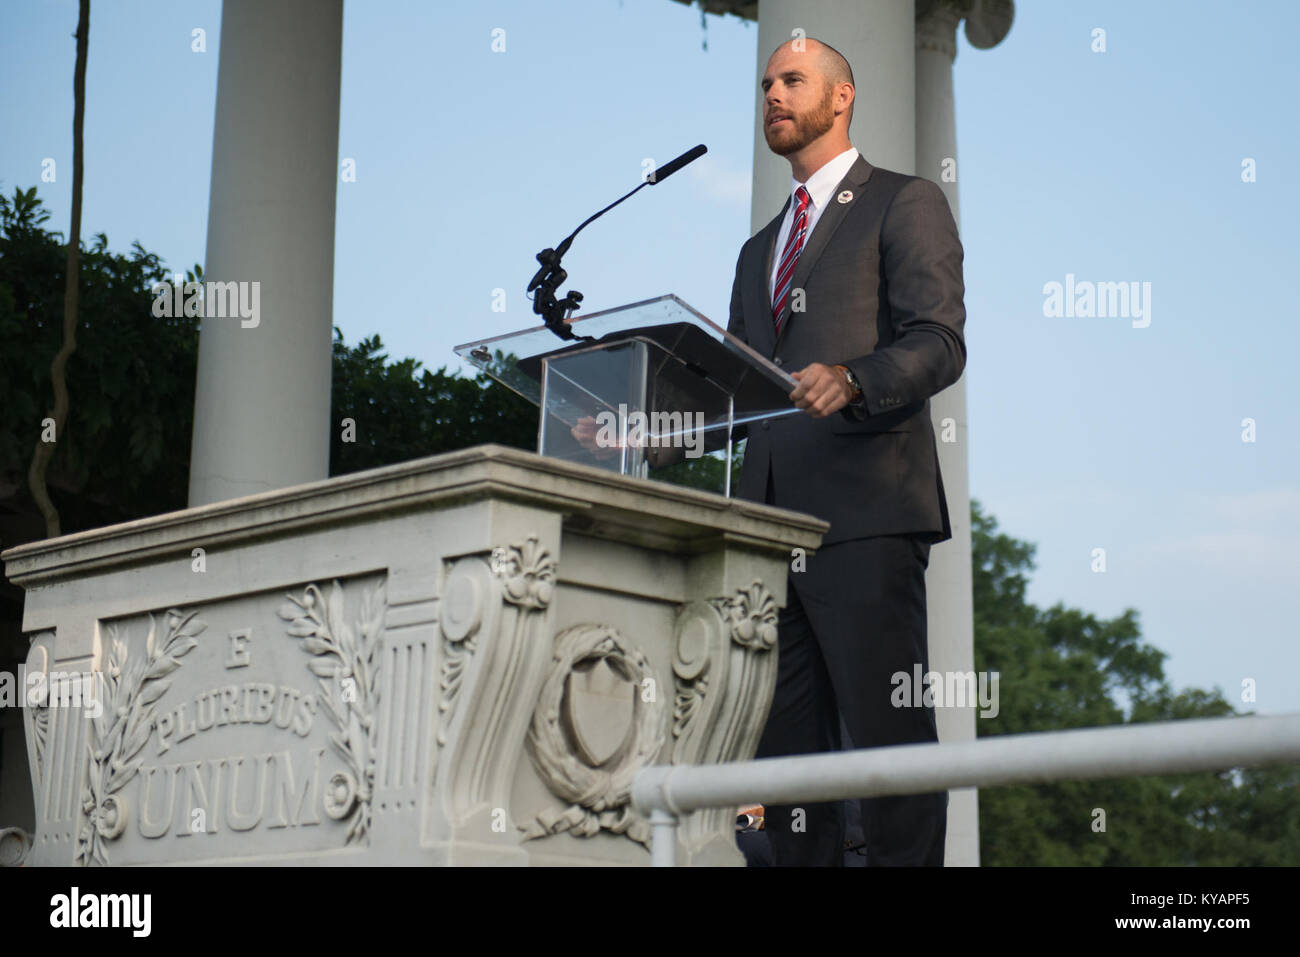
[789, 128]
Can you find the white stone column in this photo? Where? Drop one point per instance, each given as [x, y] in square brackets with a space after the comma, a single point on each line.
[261, 413]
[948, 581]
[875, 36]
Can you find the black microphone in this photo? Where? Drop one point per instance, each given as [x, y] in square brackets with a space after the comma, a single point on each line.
[548, 279]
[690, 156]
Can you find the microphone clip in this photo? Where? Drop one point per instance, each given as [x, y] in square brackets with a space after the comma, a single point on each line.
[547, 282]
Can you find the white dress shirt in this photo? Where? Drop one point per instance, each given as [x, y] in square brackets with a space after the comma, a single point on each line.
[820, 186]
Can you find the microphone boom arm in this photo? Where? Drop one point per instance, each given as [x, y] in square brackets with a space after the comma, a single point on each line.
[551, 275]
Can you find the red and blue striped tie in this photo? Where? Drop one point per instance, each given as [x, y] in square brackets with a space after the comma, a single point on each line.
[793, 246]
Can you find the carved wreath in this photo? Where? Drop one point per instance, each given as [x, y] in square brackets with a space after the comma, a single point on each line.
[346, 663]
[121, 728]
[599, 795]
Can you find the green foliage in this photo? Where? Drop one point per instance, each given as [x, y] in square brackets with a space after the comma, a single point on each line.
[125, 451]
[1062, 668]
[125, 448]
[402, 413]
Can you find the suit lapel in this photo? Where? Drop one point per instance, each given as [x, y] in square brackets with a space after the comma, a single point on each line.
[816, 244]
[774, 231]
[762, 333]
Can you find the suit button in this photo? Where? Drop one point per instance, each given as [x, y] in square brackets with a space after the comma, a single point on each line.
[777, 361]
[766, 424]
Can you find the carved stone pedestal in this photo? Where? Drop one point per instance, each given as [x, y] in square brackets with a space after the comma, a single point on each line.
[458, 660]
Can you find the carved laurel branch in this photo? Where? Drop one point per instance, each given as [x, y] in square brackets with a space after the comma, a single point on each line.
[121, 728]
[346, 664]
[527, 574]
[599, 796]
[750, 616]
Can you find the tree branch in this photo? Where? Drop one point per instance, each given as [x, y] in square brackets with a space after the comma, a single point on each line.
[58, 367]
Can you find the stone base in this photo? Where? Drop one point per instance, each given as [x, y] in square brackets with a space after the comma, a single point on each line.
[457, 660]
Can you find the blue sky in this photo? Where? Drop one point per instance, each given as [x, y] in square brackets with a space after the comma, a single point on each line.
[1115, 166]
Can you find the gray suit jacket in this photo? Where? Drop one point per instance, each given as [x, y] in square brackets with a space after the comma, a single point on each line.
[882, 282]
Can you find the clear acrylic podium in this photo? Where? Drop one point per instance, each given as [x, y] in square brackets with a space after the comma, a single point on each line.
[654, 392]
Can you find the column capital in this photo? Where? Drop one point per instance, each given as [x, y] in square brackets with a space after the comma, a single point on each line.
[987, 23]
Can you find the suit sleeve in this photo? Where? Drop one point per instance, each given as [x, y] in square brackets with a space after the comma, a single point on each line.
[921, 259]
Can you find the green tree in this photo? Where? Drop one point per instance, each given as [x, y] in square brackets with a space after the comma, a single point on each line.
[124, 452]
[58, 408]
[400, 412]
[1062, 668]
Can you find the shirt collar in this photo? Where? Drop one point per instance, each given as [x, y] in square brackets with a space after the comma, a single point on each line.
[822, 183]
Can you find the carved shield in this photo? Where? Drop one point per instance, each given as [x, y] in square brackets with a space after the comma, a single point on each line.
[599, 708]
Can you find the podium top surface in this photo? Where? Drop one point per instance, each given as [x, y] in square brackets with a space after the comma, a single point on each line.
[674, 329]
[592, 495]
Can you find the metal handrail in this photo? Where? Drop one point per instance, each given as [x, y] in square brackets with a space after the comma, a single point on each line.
[667, 792]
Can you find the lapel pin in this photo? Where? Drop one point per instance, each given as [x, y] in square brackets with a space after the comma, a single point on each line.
[845, 197]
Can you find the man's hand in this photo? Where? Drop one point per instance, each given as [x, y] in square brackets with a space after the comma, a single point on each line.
[587, 433]
[822, 390]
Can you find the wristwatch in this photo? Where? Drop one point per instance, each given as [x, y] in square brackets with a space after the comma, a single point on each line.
[852, 380]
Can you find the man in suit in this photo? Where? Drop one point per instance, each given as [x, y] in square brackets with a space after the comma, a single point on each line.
[856, 286]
